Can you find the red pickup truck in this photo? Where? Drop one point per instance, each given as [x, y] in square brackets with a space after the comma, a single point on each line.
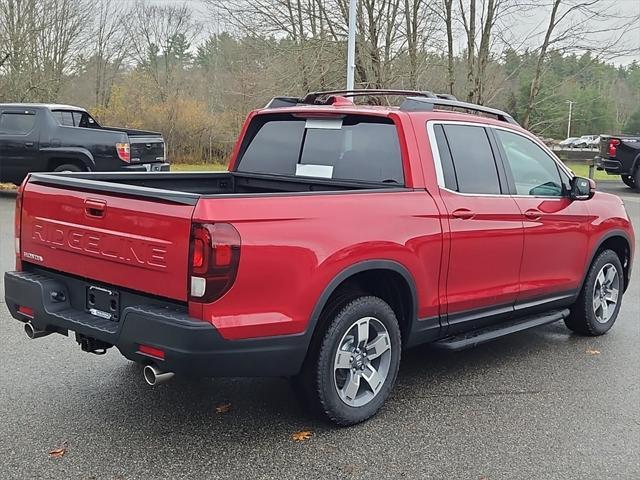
[340, 235]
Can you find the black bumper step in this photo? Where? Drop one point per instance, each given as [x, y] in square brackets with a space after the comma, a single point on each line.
[476, 337]
[191, 346]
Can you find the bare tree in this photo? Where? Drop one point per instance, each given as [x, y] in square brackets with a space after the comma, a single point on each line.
[161, 38]
[41, 36]
[109, 47]
[448, 21]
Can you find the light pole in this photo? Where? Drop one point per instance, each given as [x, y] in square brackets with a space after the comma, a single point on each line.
[570, 102]
[351, 45]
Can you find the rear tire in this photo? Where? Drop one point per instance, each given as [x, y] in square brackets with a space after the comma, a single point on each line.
[598, 304]
[636, 179]
[629, 181]
[68, 167]
[351, 374]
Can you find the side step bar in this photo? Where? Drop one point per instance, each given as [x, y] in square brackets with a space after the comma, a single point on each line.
[476, 337]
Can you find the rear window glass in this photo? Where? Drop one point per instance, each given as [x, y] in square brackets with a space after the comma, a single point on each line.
[352, 148]
[17, 123]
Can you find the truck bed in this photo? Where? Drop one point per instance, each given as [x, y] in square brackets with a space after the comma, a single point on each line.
[186, 188]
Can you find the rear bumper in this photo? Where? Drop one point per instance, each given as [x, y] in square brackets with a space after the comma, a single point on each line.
[612, 167]
[191, 347]
[148, 167]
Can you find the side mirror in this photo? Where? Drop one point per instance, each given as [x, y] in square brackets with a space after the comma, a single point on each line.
[582, 188]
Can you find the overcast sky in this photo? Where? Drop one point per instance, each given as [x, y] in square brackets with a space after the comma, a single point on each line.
[534, 20]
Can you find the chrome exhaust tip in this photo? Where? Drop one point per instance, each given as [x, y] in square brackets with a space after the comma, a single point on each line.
[32, 332]
[154, 376]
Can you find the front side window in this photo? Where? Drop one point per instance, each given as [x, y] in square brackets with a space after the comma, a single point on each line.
[534, 172]
[17, 123]
[474, 165]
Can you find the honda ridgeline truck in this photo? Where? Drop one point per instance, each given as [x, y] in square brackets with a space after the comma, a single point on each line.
[340, 235]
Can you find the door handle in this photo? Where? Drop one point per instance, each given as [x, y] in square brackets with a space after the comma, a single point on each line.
[28, 144]
[94, 208]
[462, 213]
[533, 214]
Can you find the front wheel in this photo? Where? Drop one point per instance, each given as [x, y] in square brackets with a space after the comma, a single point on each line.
[357, 363]
[598, 305]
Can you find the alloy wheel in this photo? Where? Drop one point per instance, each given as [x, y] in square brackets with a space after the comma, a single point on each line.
[362, 361]
[606, 292]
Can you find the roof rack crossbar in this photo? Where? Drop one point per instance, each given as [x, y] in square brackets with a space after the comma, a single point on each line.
[428, 104]
[314, 98]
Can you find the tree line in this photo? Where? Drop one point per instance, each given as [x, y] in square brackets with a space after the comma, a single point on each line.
[194, 75]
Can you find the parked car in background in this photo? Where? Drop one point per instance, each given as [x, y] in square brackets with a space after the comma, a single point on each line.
[567, 142]
[341, 235]
[594, 143]
[63, 138]
[621, 156]
[585, 141]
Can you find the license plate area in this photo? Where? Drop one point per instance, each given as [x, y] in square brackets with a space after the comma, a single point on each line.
[153, 167]
[103, 303]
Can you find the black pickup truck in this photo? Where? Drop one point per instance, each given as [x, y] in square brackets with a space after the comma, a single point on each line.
[621, 156]
[62, 138]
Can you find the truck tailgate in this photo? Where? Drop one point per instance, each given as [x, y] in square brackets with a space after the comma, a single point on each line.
[138, 244]
[145, 149]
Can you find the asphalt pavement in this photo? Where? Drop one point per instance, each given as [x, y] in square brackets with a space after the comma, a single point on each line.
[542, 404]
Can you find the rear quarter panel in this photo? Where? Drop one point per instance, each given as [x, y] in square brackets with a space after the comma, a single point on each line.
[294, 246]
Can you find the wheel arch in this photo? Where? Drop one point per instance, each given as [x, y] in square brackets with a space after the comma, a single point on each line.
[635, 165]
[76, 156]
[393, 283]
[619, 242]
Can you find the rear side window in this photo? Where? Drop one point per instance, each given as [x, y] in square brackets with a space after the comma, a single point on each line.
[72, 118]
[474, 165]
[18, 123]
[355, 147]
[64, 118]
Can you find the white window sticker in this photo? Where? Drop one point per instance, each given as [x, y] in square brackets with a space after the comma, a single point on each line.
[324, 123]
[309, 170]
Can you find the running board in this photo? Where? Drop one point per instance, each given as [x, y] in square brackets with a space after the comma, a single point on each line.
[486, 334]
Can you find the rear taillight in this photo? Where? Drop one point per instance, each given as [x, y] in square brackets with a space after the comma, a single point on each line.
[613, 144]
[214, 259]
[17, 224]
[124, 151]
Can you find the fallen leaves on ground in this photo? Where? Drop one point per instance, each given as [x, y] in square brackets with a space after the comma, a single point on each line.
[592, 351]
[57, 452]
[302, 435]
[223, 408]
